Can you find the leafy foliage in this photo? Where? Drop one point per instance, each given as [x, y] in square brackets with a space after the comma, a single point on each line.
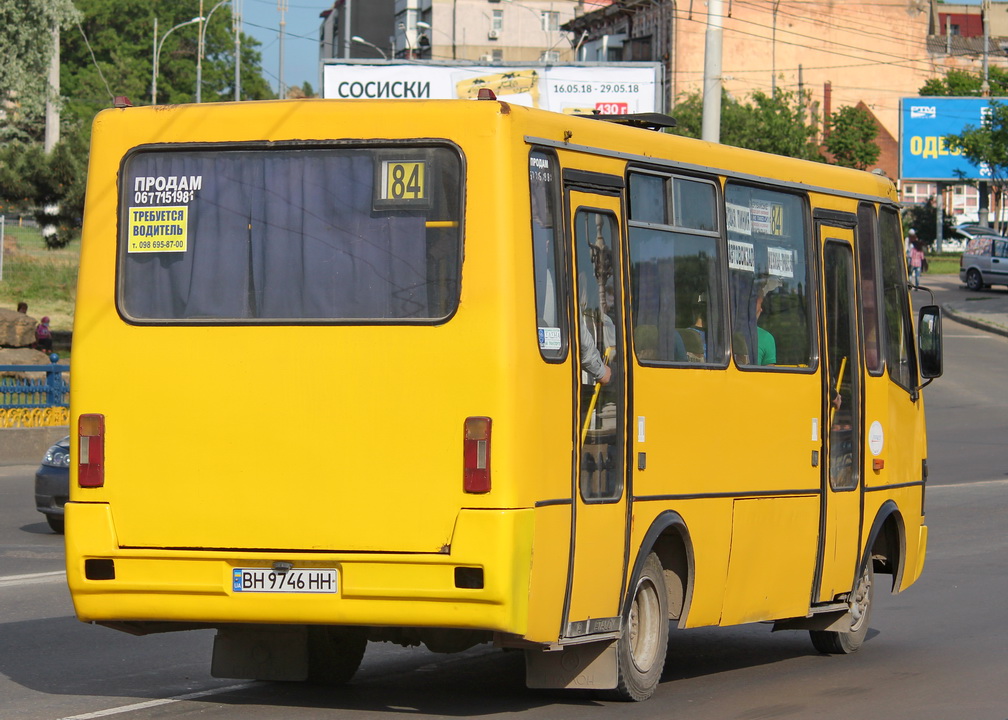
[769, 124]
[924, 219]
[962, 83]
[106, 49]
[25, 50]
[986, 146]
[851, 140]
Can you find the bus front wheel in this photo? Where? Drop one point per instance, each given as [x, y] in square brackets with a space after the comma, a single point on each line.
[846, 641]
[642, 646]
[334, 653]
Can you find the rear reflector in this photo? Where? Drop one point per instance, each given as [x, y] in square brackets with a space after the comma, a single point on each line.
[476, 455]
[91, 455]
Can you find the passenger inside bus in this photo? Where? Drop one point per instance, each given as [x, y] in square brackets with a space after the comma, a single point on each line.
[766, 345]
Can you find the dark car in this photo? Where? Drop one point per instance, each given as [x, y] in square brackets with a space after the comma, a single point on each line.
[52, 484]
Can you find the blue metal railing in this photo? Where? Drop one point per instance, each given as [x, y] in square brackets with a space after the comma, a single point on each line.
[40, 391]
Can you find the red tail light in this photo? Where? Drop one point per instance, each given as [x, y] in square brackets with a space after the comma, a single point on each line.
[476, 455]
[91, 453]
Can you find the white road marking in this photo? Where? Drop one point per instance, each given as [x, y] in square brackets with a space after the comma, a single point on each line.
[32, 579]
[155, 703]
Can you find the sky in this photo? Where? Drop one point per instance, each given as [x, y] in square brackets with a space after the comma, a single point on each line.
[261, 20]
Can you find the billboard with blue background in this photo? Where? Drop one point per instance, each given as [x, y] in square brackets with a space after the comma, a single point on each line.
[924, 123]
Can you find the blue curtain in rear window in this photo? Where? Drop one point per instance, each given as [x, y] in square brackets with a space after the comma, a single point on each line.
[277, 235]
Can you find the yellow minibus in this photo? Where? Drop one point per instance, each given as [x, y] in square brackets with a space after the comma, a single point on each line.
[460, 372]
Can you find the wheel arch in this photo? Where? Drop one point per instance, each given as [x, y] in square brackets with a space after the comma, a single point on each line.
[669, 538]
[886, 546]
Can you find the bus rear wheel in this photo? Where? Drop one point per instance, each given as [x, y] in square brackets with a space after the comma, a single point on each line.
[334, 653]
[642, 646]
[846, 641]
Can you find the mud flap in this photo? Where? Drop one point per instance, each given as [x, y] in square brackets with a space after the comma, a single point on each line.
[261, 652]
[589, 666]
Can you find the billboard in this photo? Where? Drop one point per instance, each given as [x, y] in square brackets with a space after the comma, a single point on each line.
[573, 89]
[924, 123]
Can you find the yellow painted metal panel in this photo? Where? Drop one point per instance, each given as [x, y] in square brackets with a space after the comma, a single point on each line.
[548, 583]
[773, 556]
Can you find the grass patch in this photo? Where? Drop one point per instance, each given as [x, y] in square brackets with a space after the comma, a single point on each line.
[943, 264]
[45, 279]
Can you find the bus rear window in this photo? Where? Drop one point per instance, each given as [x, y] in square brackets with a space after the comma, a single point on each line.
[290, 234]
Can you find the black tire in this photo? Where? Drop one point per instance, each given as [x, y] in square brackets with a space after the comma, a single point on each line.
[642, 646]
[974, 281]
[334, 653]
[55, 523]
[844, 642]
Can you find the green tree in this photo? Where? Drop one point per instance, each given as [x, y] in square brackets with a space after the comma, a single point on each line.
[106, 49]
[924, 219]
[986, 146]
[25, 51]
[851, 139]
[963, 83]
[770, 124]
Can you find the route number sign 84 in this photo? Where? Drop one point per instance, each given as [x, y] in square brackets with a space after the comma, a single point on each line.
[403, 182]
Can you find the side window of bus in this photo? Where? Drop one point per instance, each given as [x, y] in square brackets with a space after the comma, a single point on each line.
[768, 273]
[898, 330]
[551, 321]
[675, 275]
[867, 244]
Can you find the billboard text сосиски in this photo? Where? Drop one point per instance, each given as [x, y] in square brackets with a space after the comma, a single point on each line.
[560, 88]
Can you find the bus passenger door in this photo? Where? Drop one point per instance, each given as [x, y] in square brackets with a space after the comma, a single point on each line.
[840, 520]
[595, 577]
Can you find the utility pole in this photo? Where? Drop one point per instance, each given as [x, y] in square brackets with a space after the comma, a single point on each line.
[347, 27]
[236, 25]
[983, 199]
[710, 126]
[773, 53]
[282, 7]
[199, 54]
[52, 126]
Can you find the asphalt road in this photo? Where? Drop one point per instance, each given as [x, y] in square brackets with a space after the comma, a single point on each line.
[936, 651]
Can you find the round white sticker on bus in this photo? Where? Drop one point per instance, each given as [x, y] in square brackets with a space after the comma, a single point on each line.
[876, 438]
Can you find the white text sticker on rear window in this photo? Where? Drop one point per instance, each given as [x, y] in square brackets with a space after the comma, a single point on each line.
[157, 229]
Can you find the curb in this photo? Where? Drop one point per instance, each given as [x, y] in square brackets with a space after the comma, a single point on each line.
[26, 446]
[974, 323]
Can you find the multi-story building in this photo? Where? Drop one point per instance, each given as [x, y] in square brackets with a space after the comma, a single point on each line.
[355, 29]
[858, 52]
[484, 30]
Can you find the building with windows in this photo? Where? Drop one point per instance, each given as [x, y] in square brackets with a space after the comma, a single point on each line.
[484, 30]
[354, 29]
[853, 53]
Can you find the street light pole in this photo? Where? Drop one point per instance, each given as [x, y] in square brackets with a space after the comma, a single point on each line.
[362, 41]
[236, 24]
[202, 49]
[157, 51]
[409, 45]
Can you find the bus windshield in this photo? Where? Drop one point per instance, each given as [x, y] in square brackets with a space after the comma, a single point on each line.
[337, 234]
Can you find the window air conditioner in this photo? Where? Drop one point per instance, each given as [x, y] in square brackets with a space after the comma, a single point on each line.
[493, 34]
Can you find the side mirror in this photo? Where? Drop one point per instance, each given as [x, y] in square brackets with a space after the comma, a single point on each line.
[929, 341]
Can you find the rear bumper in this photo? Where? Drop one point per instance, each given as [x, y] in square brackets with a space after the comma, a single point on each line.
[415, 590]
[52, 489]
